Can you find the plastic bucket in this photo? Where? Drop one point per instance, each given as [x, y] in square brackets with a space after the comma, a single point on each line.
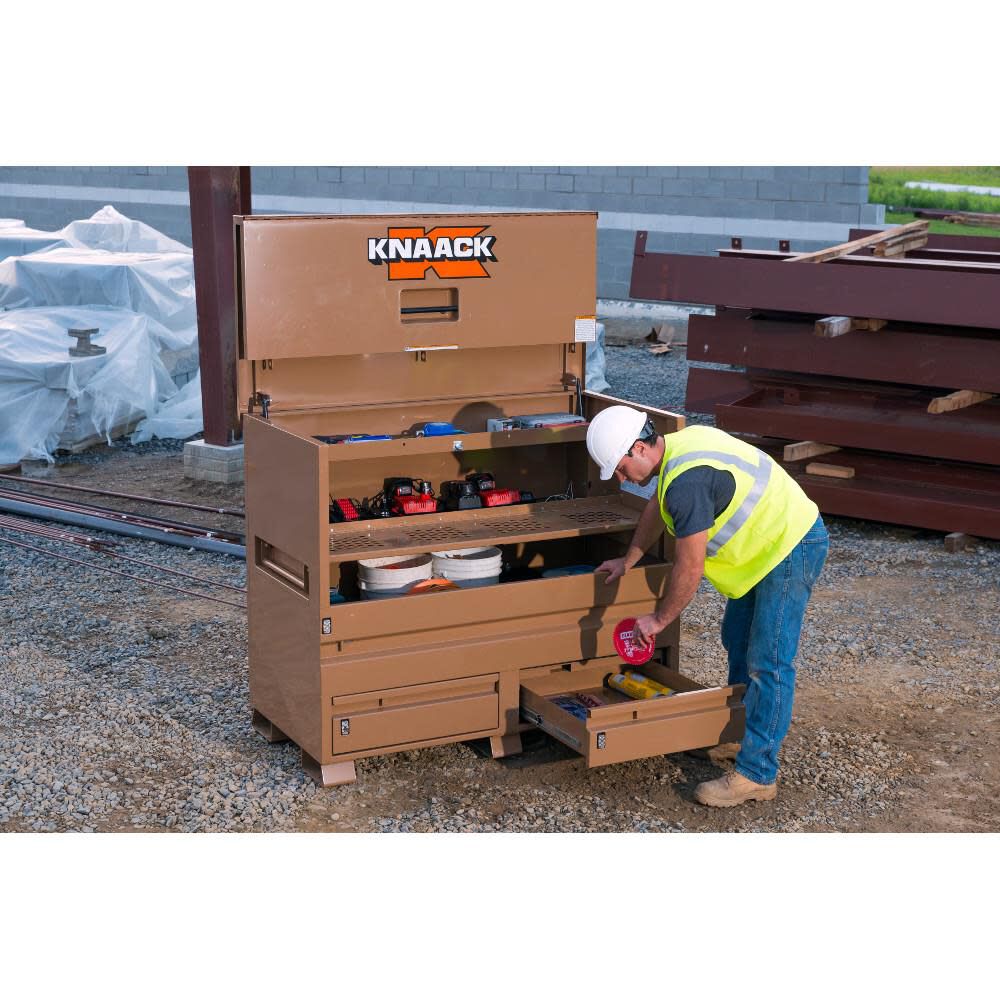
[469, 567]
[391, 576]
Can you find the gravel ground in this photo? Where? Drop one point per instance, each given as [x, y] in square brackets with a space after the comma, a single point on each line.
[124, 707]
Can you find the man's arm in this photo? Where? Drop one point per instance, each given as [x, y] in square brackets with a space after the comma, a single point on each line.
[689, 567]
[647, 531]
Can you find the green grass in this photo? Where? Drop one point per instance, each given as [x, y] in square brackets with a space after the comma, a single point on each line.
[885, 187]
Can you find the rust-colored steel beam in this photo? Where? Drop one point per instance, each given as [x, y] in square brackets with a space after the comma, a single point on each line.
[923, 494]
[932, 260]
[217, 194]
[891, 420]
[962, 358]
[914, 295]
[708, 387]
[945, 241]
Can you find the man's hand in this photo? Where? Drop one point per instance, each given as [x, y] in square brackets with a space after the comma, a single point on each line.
[647, 628]
[615, 568]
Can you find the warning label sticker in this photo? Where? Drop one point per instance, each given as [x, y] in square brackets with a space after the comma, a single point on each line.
[586, 329]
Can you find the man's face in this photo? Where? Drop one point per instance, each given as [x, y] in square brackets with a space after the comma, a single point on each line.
[637, 466]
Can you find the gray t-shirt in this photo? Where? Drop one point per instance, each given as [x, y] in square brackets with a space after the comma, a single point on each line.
[697, 497]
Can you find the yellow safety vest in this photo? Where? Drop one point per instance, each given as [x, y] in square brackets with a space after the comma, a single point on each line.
[767, 517]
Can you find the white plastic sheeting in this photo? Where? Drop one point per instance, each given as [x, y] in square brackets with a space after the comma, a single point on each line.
[157, 285]
[179, 417]
[596, 363]
[43, 389]
[108, 229]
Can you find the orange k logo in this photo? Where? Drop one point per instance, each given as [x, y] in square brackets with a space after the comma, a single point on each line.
[448, 251]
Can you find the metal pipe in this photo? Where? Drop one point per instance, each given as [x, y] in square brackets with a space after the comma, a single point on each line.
[105, 569]
[119, 528]
[230, 511]
[92, 510]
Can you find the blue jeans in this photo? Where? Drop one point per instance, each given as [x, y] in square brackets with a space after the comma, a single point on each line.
[760, 632]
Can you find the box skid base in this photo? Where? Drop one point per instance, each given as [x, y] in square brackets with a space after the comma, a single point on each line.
[328, 775]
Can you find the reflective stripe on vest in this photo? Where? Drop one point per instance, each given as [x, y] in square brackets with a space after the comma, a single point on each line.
[761, 474]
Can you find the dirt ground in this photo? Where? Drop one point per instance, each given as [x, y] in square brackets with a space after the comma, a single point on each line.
[886, 735]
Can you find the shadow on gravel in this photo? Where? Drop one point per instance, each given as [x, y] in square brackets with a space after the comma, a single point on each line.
[536, 748]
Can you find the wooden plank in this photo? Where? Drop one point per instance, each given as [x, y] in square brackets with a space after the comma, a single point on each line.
[887, 236]
[806, 449]
[837, 326]
[957, 541]
[957, 400]
[898, 248]
[830, 471]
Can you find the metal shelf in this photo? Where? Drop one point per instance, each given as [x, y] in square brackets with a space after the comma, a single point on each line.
[487, 526]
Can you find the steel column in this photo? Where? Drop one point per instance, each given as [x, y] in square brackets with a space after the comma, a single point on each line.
[217, 194]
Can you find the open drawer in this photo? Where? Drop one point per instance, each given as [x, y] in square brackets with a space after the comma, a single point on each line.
[623, 728]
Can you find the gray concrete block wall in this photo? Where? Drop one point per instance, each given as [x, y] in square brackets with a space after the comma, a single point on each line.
[690, 209]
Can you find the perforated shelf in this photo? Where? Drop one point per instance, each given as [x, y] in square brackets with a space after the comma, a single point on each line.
[487, 526]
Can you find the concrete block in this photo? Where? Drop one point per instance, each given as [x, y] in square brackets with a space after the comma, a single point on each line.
[213, 463]
[530, 182]
[740, 189]
[774, 190]
[808, 190]
[305, 173]
[790, 210]
[847, 193]
[376, 175]
[704, 173]
[725, 173]
[757, 173]
[635, 171]
[706, 188]
[833, 213]
[558, 182]
[476, 179]
[663, 172]
[617, 185]
[608, 288]
[872, 215]
[791, 173]
[426, 178]
[587, 184]
[503, 181]
[681, 187]
[855, 175]
[401, 175]
[826, 174]
[352, 175]
[603, 171]
[647, 185]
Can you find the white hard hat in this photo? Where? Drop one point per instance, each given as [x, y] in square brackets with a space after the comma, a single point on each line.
[610, 435]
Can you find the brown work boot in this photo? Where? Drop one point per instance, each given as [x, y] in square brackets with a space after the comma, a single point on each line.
[732, 789]
[724, 751]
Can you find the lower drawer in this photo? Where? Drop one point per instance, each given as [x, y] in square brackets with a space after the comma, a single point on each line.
[418, 712]
[626, 729]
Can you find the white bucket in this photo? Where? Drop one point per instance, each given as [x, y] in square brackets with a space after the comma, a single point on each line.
[469, 567]
[391, 576]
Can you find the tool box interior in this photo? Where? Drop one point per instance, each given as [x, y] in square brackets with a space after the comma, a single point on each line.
[368, 395]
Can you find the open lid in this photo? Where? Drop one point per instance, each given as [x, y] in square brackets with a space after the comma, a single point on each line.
[329, 286]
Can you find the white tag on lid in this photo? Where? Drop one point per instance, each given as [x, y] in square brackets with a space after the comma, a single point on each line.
[585, 330]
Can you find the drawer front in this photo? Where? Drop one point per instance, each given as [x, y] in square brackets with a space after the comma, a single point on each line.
[398, 716]
[628, 729]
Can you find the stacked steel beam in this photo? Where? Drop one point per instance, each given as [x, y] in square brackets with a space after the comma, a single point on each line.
[866, 392]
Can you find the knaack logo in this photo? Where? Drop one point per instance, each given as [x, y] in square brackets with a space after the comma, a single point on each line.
[448, 251]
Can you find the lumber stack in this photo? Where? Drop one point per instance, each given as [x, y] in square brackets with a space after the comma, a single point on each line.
[882, 356]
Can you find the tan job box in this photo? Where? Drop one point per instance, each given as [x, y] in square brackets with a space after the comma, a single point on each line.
[375, 325]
